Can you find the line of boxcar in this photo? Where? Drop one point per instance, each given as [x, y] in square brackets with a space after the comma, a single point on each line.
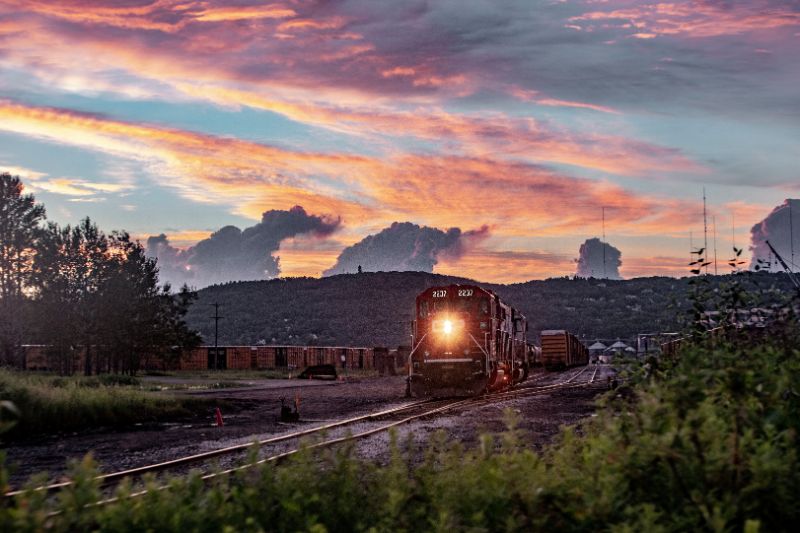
[561, 349]
[227, 357]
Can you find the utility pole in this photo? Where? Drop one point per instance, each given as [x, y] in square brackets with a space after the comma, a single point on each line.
[705, 228]
[216, 318]
[791, 235]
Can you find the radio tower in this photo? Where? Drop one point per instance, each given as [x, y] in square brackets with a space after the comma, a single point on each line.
[705, 228]
[714, 224]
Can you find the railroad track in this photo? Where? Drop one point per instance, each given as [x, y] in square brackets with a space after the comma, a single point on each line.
[396, 416]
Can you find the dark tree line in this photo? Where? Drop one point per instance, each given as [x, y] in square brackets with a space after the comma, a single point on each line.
[80, 291]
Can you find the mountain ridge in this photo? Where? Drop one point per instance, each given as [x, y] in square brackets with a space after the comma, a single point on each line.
[376, 308]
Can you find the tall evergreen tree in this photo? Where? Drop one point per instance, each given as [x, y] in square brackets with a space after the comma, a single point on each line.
[72, 266]
[20, 221]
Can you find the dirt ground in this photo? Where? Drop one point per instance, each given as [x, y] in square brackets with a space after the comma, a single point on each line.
[254, 414]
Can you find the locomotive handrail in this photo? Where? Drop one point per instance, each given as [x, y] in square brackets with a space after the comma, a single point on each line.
[485, 353]
[478, 345]
[410, 364]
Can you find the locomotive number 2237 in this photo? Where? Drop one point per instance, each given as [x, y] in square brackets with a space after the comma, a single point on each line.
[465, 292]
[439, 294]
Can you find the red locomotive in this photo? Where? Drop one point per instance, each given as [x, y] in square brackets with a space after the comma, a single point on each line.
[466, 341]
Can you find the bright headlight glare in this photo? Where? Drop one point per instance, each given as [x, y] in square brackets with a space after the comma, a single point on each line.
[447, 327]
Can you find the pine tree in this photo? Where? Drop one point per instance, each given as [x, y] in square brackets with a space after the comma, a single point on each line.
[20, 220]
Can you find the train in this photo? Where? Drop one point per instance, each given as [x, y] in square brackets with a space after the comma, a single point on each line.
[561, 349]
[466, 341]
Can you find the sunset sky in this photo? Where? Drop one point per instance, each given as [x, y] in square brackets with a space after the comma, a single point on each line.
[526, 118]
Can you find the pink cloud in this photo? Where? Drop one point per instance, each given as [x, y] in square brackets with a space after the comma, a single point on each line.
[694, 19]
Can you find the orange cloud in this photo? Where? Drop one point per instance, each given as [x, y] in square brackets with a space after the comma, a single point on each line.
[533, 96]
[311, 24]
[497, 134]
[635, 267]
[204, 168]
[506, 266]
[516, 199]
[233, 13]
[161, 15]
[441, 190]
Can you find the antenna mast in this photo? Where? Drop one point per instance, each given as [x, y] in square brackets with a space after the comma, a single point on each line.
[714, 223]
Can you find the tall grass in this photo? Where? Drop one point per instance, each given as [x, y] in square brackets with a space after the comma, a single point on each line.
[49, 404]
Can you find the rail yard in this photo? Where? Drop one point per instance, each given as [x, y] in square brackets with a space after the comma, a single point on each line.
[458, 384]
[364, 409]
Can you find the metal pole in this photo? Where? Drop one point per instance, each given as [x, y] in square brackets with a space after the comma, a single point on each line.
[791, 235]
[714, 222]
[705, 229]
[216, 318]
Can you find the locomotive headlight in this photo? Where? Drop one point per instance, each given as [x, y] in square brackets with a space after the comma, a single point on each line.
[447, 327]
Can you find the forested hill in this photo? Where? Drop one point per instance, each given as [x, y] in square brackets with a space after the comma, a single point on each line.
[373, 309]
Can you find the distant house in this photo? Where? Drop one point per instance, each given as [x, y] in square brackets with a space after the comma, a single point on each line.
[596, 350]
[617, 348]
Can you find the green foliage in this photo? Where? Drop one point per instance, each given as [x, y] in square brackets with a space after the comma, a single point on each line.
[47, 404]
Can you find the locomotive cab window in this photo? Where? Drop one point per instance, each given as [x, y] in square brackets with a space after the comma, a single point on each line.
[484, 306]
[423, 309]
[441, 305]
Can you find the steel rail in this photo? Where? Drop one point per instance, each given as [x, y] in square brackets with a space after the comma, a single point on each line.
[278, 457]
[111, 477]
[338, 440]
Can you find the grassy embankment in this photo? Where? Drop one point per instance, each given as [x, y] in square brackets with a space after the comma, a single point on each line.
[49, 403]
[708, 441]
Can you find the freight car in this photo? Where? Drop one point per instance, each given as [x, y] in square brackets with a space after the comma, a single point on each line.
[561, 349]
[466, 341]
